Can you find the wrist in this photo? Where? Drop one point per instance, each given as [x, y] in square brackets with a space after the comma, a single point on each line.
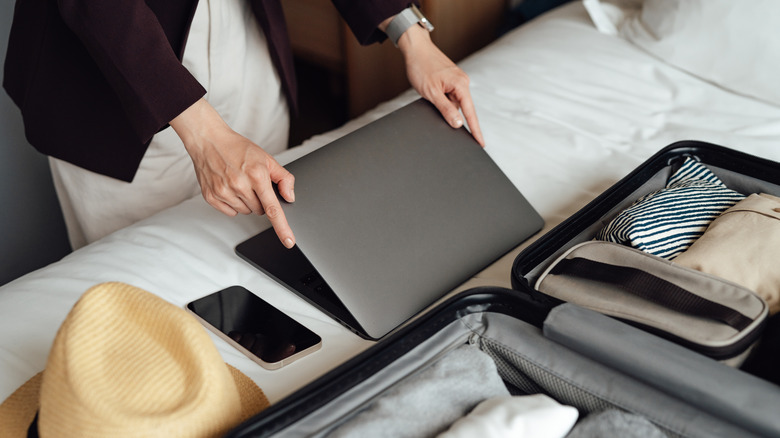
[414, 39]
[196, 121]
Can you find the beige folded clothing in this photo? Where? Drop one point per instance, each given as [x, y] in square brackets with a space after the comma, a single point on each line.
[743, 245]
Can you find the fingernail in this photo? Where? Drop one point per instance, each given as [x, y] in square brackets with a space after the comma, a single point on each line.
[288, 243]
[457, 123]
[292, 195]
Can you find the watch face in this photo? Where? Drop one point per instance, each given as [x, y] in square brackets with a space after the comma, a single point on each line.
[422, 20]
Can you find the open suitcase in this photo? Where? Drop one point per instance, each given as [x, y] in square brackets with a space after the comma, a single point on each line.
[544, 345]
[716, 389]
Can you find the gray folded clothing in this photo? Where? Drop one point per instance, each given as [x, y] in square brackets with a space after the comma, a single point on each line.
[427, 403]
[615, 423]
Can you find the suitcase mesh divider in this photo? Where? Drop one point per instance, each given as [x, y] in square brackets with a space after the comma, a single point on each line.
[530, 378]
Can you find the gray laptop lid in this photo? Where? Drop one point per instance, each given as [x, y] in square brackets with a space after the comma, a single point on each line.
[398, 213]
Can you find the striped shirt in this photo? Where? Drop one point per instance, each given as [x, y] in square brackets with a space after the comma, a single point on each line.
[666, 222]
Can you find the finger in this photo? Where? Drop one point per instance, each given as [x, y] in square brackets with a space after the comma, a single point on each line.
[235, 202]
[467, 106]
[274, 212]
[241, 191]
[447, 109]
[218, 204]
[225, 199]
[285, 181]
[223, 207]
[245, 197]
[251, 203]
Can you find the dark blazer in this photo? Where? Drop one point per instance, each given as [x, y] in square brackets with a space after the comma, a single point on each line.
[95, 79]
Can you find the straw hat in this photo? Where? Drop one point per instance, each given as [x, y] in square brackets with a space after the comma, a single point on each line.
[127, 363]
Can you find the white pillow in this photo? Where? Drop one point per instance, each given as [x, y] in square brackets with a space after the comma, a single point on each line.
[734, 44]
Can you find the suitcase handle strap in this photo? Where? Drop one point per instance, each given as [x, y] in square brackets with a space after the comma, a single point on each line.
[651, 288]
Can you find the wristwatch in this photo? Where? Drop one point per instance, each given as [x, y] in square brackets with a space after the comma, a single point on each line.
[404, 20]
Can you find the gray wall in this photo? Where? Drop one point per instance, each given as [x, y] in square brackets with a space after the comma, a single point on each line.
[32, 232]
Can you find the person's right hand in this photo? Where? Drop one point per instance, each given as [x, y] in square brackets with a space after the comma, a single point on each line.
[235, 175]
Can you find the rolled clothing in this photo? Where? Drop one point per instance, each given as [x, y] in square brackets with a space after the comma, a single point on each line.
[537, 416]
[666, 222]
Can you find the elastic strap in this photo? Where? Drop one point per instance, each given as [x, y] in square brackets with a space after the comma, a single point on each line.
[652, 288]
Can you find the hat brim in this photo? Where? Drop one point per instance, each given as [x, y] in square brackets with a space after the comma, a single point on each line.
[18, 411]
[253, 400]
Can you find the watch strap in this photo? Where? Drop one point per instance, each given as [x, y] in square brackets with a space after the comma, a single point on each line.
[403, 21]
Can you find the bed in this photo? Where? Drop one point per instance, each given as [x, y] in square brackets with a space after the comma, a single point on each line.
[567, 108]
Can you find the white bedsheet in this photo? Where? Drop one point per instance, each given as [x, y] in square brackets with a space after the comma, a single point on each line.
[566, 112]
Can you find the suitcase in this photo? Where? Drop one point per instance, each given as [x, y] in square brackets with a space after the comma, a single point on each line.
[510, 327]
[739, 171]
[540, 344]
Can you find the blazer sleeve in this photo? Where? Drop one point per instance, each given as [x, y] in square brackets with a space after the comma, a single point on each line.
[363, 16]
[130, 47]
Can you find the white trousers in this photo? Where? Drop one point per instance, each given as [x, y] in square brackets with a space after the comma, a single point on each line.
[227, 53]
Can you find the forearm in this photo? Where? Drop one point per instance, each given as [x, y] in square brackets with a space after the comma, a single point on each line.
[128, 44]
[436, 77]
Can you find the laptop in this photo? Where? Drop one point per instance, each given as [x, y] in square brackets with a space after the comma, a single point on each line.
[390, 218]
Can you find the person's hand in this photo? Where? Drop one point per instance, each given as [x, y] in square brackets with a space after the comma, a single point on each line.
[438, 79]
[235, 175]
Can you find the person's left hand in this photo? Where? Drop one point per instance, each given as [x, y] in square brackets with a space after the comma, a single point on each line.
[439, 80]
